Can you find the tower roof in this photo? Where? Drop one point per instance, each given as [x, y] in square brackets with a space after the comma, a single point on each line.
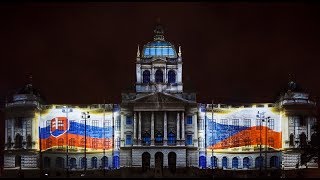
[159, 47]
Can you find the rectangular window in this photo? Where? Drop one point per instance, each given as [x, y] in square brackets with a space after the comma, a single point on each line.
[95, 125]
[72, 126]
[224, 123]
[107, 143]
[94, 143]
[258, 124]
[201, 125]
[107, 125]
[271, 142]
[247, 123]
[128, 140]
[189, 119]
[118, 124]
[271, 124]
[60, 124]
[189, 139]
[235, 123]
[128, 120]
[18, 122]
[60, 143]
[48, 123]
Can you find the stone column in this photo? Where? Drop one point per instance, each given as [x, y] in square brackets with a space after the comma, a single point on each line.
[12, 130]
[165, 133]
[195, 125]
[182, 129]
[122, 127]
[134, 128]
[139, 132]
[152, 128]
[178, 128]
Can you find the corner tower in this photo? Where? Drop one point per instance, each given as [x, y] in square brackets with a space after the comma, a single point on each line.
[159, 66]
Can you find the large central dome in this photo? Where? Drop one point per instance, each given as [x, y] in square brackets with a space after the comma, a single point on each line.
[159, 47]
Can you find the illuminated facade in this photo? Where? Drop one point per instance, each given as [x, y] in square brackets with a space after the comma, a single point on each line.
[158, 126]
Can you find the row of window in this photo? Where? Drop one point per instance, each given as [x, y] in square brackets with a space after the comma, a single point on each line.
[247, 162]
[159, 76]
[235, 142]
[95, 143]
[129, 120]
[94, 124]
[60, 162]
[235, 123]
[146, 139]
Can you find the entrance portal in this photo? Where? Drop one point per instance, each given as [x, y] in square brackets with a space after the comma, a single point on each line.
[145, 161]
[158, 163]
[172, 159]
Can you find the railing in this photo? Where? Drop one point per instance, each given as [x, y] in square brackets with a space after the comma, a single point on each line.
[18, 103]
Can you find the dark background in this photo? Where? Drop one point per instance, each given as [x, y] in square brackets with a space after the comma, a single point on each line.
[232, 52]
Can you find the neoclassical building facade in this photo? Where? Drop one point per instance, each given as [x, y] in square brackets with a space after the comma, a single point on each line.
[158, 126]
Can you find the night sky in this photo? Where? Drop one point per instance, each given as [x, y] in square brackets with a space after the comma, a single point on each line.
[85, 52]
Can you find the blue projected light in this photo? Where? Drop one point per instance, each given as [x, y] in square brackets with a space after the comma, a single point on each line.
[159, 48]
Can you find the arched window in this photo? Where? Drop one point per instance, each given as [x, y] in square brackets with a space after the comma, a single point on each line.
[82, 142]
[29, 141]
[146, 76]
[291, 142]
[171, 138]
[274, 162]
[18, 141]
[202, 162]
[159, 138]
[83, 162]
[73, 163]
[48, 143]
[159, 76]
[116, 162]
[171, 76]
[9, 142]
[104, 162]
[214, 161]
[246, 162]
[235, 163]
[224, 162]
[94, 162]
[94, 143]
[60, 162]
[303, 140]
[259, 162]
[72, 143]
[247, 141]
[146, 138]
[46, 162]
[60, 143]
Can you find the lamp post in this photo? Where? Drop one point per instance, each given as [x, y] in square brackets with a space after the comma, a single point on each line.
[266, 145]
[260, 116]
[66, 110]
[213, 125]
[84, 116]
[262, 119]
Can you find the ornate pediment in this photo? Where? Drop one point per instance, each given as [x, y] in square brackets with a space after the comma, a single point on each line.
[160, 97]
[161, 101]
